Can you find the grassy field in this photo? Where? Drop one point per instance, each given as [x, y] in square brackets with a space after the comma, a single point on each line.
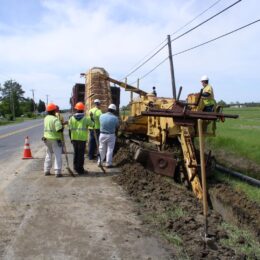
[237, 142]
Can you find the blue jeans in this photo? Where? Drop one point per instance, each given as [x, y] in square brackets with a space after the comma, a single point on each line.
[209, 108]
[92, 146]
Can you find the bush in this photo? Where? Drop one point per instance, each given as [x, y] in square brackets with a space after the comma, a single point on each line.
[29, 114]
[9, 117]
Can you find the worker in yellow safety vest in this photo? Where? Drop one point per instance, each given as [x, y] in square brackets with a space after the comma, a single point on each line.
[207, 95]
[52, 138]
[60, 116]
[95, 112]
[78, 129]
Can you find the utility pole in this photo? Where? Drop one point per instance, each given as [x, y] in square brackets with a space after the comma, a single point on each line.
[33, 100]
[11, 94]
[171, 67]
[47, 100]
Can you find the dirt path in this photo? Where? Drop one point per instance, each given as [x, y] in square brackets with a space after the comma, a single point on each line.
[88, 217]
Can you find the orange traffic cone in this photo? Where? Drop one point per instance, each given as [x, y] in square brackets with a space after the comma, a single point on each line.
[27, 151]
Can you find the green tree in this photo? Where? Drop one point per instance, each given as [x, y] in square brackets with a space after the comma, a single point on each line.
[27, 105]
[222, 103]
[41, 106]
[11, 96]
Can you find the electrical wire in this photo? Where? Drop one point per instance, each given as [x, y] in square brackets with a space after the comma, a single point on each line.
[210, 18]
[214, 39]
[199, 45]
[195, 27]
[179, 29]
[146, 61]
[185, 25]
[148, 54]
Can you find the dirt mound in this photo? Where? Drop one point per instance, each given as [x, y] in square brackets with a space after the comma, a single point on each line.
[242, 211]
[173, 211]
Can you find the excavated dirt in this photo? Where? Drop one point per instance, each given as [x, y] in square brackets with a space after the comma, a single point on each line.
[174, 212]
[236, 208]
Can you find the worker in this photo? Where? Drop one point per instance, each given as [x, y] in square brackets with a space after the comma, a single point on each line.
[154, 91]
[59, 116]
[207, 95]
[52, 138]
[95, 112]
[78, 128]
[108, 126]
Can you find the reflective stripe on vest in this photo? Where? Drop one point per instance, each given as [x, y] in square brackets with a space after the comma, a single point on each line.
[78, 128]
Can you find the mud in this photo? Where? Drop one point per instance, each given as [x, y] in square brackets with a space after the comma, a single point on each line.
[237, 208]
[173, 211]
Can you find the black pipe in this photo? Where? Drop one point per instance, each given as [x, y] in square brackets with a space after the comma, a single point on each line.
[179, 93]
[238, 175]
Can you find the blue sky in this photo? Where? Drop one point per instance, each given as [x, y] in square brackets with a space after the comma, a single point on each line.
[46, 44]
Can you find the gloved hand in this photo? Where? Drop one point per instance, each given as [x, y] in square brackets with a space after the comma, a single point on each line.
[44, 139]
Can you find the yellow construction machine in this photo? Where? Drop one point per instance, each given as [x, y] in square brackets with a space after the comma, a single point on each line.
[161, 131]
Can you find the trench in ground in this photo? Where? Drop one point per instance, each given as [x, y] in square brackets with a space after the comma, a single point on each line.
[175, 213]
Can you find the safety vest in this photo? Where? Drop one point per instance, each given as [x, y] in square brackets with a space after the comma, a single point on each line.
[60, 117]
[79, 128]
[208, 101]
[51, 127]
[96, 114]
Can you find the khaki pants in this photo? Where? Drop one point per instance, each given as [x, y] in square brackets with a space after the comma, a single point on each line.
[52, 147]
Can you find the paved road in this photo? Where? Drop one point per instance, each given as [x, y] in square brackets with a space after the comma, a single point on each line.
[43, 217]
[12, 138]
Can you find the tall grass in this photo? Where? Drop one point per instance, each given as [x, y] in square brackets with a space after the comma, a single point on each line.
[240, 136]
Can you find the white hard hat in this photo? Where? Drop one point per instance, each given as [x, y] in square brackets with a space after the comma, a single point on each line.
[203, 78]
[112, 106]
[96, 101]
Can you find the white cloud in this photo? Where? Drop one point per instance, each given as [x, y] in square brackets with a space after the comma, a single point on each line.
[74, 36]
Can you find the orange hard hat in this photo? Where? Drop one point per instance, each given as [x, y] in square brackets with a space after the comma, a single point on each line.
[79, 106]
[51, 107]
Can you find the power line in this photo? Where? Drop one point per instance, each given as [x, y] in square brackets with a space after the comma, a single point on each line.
[214, 39]
[193, 28]
[145, 61]
[179, 29]
[148, 54]
[210, 18]
[199, 45]
[154, 68]
[195, 17]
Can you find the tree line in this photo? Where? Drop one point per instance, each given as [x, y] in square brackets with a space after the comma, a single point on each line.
[14, 104]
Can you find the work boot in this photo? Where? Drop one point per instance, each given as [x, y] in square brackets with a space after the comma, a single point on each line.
[47, 173]
[83, 171]
[58, 175]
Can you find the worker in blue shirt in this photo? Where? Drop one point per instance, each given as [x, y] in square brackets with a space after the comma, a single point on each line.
[108, 126]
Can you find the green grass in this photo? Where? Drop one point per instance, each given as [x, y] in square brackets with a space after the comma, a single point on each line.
[173, 238]
[253, 193]
[241, 136]
[160, 220]
[241, 241]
